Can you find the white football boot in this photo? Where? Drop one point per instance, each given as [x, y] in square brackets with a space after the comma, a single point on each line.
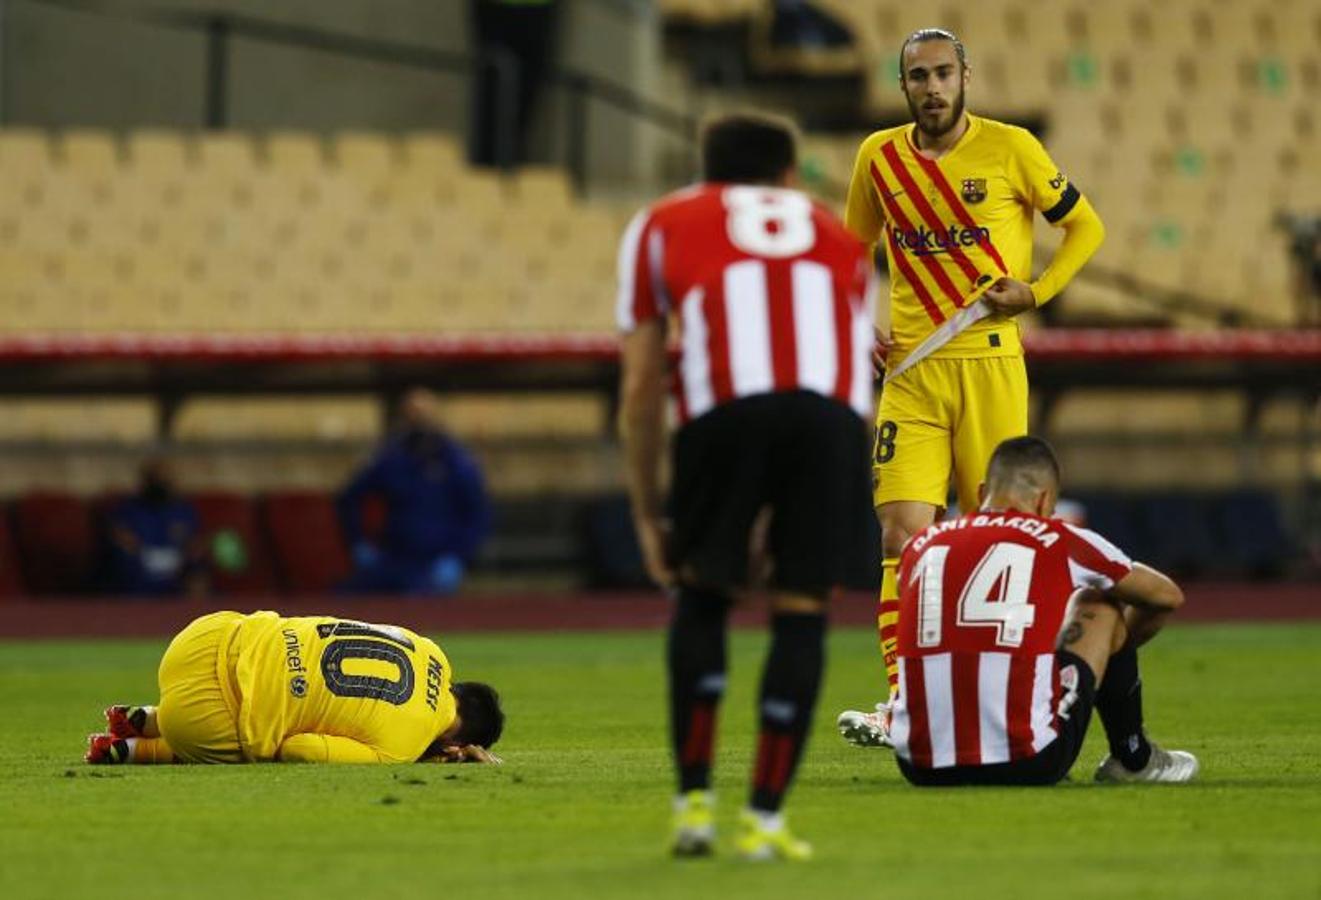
[866, 729]
[1164, 767]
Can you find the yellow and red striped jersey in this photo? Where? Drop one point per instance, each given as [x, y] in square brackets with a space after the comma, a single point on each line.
[953, 224]
[386, 689]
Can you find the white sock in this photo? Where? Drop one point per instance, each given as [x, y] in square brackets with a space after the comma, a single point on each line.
[768, 821]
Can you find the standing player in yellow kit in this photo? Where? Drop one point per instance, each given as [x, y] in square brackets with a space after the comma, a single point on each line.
[262, 688]
[952, 196]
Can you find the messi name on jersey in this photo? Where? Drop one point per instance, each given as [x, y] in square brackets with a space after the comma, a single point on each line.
[923, 241]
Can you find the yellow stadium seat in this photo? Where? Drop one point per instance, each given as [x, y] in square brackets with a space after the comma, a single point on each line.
[89, 152]
[295, 152]
[710, 12]
[332, 418]
[126, 420]
[226, 154]
[543, 188]
[481, 417]
[432, 154]
[158, 154]
[364, 154]
[23, 151]
[474, 193]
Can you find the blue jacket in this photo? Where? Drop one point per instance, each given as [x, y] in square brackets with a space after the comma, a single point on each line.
[435, 501]
[165, 532]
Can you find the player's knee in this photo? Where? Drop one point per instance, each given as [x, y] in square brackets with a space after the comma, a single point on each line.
[1119, 635]
[899, 522]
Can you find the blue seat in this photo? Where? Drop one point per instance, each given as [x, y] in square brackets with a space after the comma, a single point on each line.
[1176, 534]
[1251, 533]
[1111, 516]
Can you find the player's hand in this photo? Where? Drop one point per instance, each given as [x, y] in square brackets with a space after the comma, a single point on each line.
[1008, 297]
[654, 541]
[879, 351]
[468, 753]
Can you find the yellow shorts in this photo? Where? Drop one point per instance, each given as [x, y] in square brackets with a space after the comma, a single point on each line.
[943, 417]
[198, 711]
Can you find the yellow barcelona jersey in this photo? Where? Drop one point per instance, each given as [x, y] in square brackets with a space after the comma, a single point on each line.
[379, 686]
[953, 224]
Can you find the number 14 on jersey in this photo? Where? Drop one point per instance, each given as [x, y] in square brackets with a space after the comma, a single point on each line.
[995, 594]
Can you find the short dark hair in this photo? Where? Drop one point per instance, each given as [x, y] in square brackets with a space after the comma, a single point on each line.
[933, 34]
[747, 148]
[1023, 463]
[480, 717]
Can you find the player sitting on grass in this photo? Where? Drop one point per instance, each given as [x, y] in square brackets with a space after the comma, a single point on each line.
[262, 688]
[991, 690]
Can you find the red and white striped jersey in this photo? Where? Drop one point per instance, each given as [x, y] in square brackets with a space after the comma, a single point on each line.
[982, 600]
[768, 290]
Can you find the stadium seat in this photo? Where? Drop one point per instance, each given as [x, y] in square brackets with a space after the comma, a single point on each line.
[238, 553]
[364, 154]
[89, 152]
[1111, 516]
[11, 576]
[348, 417]
[225, 154]
[432, 154]
[56, 541]
[543, 188]
[24, 151]
[293, 152]
[1250, 530]
[1175, 534]
[610, 546]
[308, 546]
[155, 154]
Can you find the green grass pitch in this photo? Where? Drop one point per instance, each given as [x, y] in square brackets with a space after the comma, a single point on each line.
[581, 807]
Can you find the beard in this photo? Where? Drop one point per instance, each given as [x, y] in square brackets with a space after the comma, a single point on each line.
[943, 124]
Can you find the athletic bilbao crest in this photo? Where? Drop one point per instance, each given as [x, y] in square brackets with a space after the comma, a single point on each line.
[974, 190]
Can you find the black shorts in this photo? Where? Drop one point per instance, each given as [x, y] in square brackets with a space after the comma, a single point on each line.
[804, 457]
[1055, 759]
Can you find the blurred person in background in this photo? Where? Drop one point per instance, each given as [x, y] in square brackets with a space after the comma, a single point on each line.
[436, 510]
[154, 541]
[515, 42]
[1304, 233]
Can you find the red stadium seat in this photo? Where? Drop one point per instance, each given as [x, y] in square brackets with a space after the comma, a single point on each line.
[236, 545]
[56, 543]
[11, 579]
[308, 545]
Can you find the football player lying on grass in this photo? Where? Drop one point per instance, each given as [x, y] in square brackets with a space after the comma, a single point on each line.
[240, 688]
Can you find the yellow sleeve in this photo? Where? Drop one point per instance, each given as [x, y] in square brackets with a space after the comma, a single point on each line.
[1036, 178]
[325, 748]
[862, 209]
[1083, 234]
[1038, 181]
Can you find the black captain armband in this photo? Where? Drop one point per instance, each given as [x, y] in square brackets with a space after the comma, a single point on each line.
[1065, 206]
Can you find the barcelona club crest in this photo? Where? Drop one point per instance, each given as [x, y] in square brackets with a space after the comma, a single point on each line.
[974, 190]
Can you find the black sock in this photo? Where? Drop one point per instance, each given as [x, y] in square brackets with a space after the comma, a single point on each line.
[789, 689]
[696, 655]
[1119, 704]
